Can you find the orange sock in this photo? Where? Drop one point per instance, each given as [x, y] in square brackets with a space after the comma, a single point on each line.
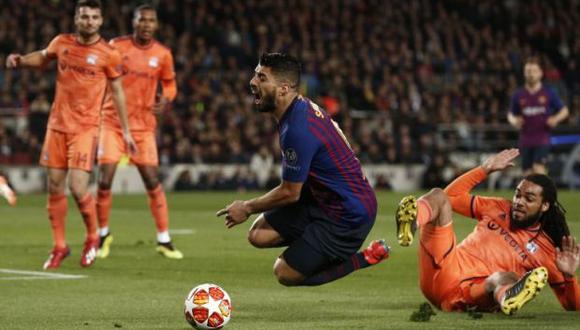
[158, 205]
[424, 212]
[57, 208]
[88, 209]
[104, 202]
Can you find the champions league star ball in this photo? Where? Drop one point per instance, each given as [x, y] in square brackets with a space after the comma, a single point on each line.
[208, 306]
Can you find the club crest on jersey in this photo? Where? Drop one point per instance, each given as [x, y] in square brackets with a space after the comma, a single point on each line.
[153, 62]
[532, 247]
[92, 59]
[290, 156]
[542, 100]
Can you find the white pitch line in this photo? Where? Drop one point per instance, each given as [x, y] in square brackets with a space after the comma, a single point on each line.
[182, 231]
[30, 275]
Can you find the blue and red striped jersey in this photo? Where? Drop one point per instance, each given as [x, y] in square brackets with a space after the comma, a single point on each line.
[315, 152]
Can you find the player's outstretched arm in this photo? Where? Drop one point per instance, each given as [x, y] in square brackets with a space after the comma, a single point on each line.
[239, 211]
[37, 59]
[500, 161]
[119, 99]
[459, 191]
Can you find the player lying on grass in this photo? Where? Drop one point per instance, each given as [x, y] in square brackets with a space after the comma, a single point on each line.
[324, 207]
[516, 248]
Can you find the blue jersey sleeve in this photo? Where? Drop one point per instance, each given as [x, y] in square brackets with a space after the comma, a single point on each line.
[299, 147]
[555, 101]
[515, 105]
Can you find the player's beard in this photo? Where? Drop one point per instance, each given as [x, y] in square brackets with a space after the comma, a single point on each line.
[87, 34]
[267, 103]
[526, 222]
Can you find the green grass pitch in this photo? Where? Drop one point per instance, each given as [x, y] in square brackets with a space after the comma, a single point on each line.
[137, 289]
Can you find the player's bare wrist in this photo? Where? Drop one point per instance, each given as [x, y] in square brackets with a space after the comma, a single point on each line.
[248, 208]
[486, 169]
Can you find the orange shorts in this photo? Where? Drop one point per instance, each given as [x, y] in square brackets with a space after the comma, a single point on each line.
[69, 150]
[441, 275]
[112, 147]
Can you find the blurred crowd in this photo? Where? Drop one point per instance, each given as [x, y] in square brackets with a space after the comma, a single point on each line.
[391, 72]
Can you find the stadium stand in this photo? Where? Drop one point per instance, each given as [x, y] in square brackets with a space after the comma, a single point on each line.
[405, 80]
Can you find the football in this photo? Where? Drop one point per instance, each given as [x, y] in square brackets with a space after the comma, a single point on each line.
[208, 306]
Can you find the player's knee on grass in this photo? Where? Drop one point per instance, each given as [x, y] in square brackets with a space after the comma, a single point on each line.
[286, 275]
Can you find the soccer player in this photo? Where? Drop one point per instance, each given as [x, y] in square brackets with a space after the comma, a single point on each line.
[324, 207]
[516, 248]
[146, 62]
[535, 109]
[86, 65]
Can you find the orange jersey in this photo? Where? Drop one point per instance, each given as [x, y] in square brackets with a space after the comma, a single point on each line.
[494, 246]
[144, 66]
[83, 73]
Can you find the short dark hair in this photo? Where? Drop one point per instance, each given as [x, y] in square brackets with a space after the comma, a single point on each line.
[142, 8]
[553, 221]
[94, 4]
[533, 60]
[284, 66]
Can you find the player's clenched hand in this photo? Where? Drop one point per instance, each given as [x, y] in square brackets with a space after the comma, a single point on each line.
[130, 143]
[13, 61]
[552, 121]
[160, 106]
[568, 257]
[500, 161]
[236, 213]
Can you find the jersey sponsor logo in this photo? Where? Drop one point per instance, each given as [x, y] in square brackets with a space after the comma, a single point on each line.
[142, 74]
[92, 59]
[534, 111]
[532, 247]
[45, 156]
[492, 225]
[64, 66]
[153, 62]
[290, 156]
